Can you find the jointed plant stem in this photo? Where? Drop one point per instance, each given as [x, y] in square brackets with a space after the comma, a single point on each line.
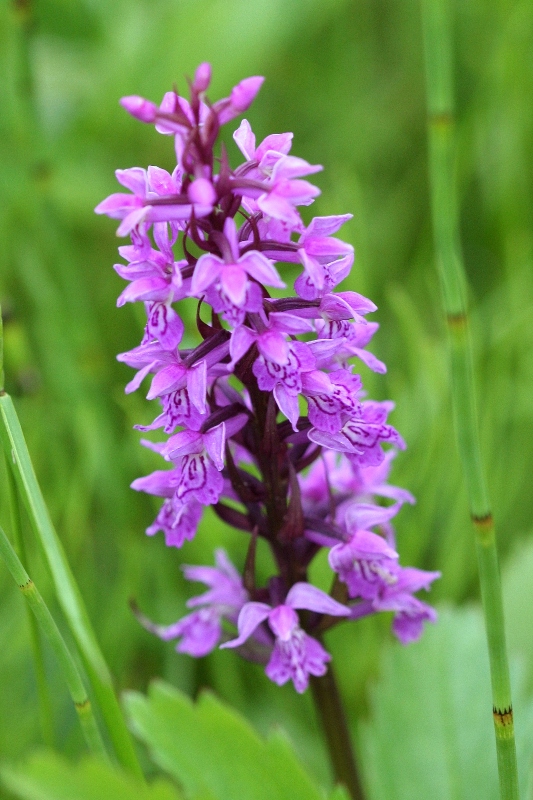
[441, 129]
[51, 631]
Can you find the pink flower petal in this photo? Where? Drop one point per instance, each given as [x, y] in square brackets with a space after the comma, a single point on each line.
[250, 616]
[234, 282]
[214, 442]
[245, 140]
[260, 268]
[206, 272]
[133, 179]
[304, 595]
[282, 621]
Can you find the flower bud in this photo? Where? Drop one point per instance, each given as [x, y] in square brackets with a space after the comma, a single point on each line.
[138, 107]
[202, 77]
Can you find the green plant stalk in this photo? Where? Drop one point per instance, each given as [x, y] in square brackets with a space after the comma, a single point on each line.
[330, 708]
[72, 677]
[437, 25]
[66, 588]
[45, 706]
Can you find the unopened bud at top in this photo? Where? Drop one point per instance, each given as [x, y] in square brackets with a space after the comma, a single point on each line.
[244, 93]
[140, 108]
[240, 99]
[202, 77]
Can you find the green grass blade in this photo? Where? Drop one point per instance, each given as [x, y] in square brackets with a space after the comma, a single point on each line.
[51, 631]
[45, 706]
[66, 588]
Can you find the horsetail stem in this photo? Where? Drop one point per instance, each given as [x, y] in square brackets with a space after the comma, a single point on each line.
[437, 29]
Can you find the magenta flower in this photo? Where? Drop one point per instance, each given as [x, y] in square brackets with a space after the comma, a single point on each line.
[330, 398]
[266, 155]
[201, 631]
[321, 254]
[178, 520]
[199, 459]
[365, 562]
[295, 655]
[232, 293]
[362, 434]
[263, 407]
[156, 198]
[410, 613]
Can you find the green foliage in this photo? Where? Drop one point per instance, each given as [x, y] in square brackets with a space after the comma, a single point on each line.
[47, 776]
[213, 751]
[347, 77]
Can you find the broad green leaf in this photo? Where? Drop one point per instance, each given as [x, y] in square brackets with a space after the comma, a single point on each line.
[430, 733]
[209, 748]
[47, 776]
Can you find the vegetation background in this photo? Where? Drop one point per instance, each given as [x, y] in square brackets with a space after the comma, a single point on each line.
[347, 77]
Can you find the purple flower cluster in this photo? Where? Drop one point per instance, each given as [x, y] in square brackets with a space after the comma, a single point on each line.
[266, 417]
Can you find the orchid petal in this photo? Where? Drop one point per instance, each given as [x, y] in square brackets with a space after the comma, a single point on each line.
[282, 622]
[245, 140]
[234, 282]
[197, 385]
[214, 441]
[362, 516]
[260, 268]
[304, 595]
[206, 272]
[250, 617]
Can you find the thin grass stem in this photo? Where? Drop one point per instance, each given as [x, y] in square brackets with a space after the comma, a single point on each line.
[437, 27]
[51, 631]
[46, 718]
[66, 588]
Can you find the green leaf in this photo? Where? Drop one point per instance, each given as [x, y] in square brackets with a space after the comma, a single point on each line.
[430, 733]
[209, 748]
[47, 776]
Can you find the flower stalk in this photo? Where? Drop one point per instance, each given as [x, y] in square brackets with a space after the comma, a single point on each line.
[437, 28]
[329, 705]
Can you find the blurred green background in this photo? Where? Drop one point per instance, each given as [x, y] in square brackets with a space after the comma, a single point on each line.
[347, 77]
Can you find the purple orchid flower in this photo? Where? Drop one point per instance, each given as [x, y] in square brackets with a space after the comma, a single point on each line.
[177, 519]
[317, 250]
[265, 413]
[365, 562]
[231, 292]
[201, 631]
[296, 655]
[266, 154]
[361, 435]
[410, 613]
[144, 206]
[331, 397]
[199, 459]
